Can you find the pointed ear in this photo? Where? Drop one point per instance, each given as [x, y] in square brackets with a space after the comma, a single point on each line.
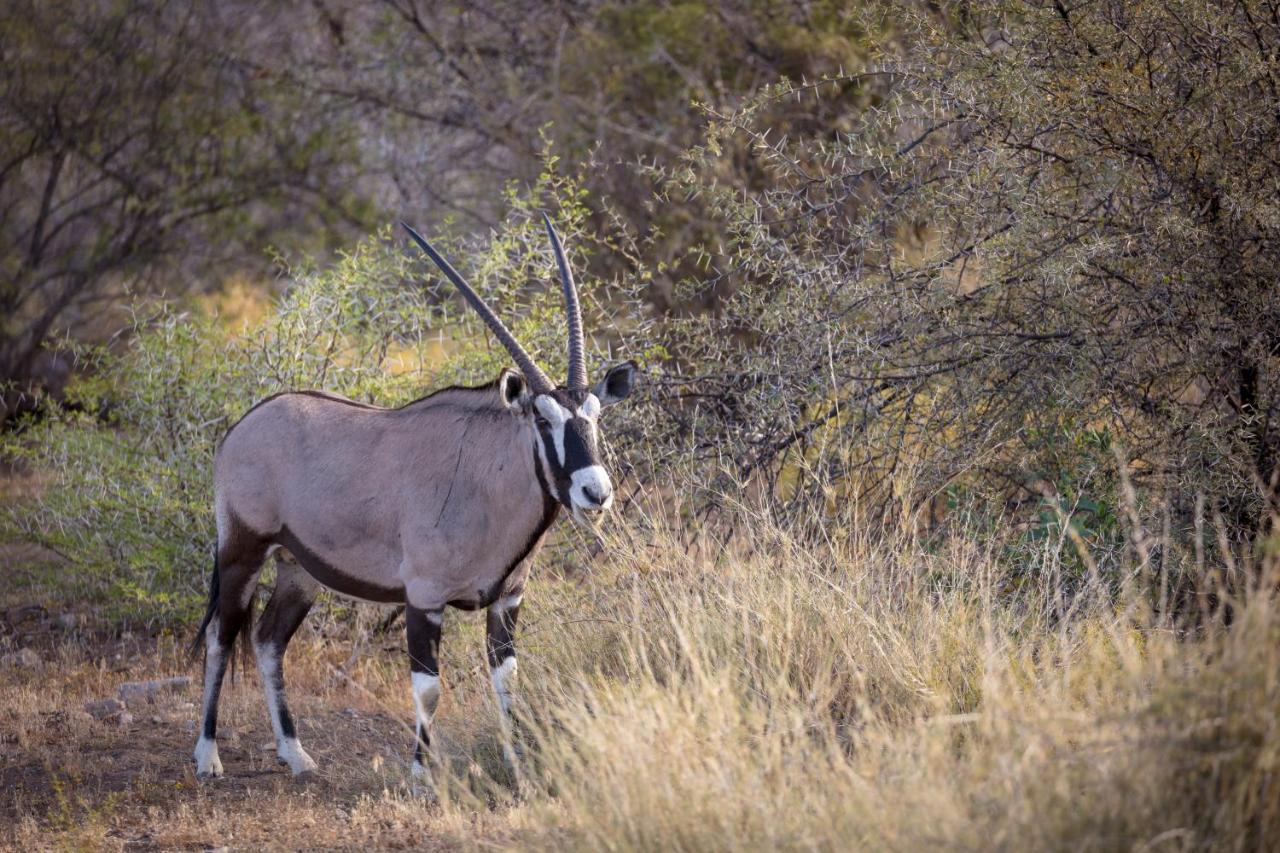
[617, 383]
[511, 388]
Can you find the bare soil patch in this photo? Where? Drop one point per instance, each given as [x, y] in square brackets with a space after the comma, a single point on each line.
[70, 780]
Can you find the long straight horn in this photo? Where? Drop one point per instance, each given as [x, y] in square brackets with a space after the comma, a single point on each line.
[538, 381]
[577, 357]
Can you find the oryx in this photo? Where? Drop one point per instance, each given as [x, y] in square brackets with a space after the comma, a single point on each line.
[443, 501]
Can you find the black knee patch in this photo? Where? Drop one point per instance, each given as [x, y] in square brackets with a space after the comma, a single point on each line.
[422, 630]
[500, 639]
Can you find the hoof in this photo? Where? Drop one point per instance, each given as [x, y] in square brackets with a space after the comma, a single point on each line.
[292, 753]
[208, 765]
[421, 784]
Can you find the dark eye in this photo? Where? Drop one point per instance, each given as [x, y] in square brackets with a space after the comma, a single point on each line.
[541, 422]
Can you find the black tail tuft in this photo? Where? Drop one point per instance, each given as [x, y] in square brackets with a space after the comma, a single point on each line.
[243, 635]
[197, 642]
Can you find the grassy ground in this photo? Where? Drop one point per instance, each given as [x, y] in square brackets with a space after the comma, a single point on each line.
[877, 695]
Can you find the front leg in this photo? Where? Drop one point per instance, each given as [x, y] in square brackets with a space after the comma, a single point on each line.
[500, 641]
[422, 628]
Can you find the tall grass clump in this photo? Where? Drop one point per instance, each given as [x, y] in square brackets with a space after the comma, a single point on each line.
[893, 693]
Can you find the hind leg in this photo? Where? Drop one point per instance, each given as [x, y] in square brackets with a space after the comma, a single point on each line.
[240, 556]
[294, 594]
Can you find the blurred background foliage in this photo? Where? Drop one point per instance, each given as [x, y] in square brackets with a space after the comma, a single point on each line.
[165, 147]
[888, 265]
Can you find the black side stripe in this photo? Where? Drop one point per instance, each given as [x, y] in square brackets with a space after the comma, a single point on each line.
[334, 578]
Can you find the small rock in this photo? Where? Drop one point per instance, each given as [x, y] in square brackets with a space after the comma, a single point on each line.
[267, 747]
[124, 719]
[156, 719]
[66, 622]
[22, 659]
[133, 692]
[103, 709]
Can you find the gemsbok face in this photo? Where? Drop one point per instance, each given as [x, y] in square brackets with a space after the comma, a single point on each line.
[440, 503]
[568, 444]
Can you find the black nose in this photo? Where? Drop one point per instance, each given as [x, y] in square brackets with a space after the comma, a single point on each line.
[596, 499]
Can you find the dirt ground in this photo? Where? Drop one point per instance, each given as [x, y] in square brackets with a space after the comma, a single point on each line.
[69, 780]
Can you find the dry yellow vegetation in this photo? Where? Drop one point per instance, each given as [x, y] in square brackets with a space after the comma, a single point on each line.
[877, 695]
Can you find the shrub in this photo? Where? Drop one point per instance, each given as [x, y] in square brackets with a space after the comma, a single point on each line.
[1031, 226]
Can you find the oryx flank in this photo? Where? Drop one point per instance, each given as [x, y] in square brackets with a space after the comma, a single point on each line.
[443, 501]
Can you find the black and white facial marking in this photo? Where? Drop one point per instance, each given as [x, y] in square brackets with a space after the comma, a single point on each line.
[567, 423]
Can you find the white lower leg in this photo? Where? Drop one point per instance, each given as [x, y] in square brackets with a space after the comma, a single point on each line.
[207, 761]
[502, 676]
[426, 696]
[287, 745]
[206, 754]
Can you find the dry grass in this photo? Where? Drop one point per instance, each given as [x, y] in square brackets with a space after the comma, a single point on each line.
[881, 696]
[788, 703]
